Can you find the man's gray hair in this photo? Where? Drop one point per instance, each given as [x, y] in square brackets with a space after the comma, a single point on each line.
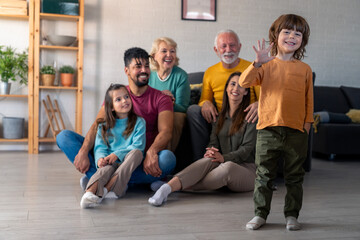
[225, 31]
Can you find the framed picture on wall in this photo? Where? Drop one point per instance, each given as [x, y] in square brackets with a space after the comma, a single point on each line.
[199, 10]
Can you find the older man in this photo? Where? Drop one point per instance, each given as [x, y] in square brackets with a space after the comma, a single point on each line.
[157, 110]
[227, 47]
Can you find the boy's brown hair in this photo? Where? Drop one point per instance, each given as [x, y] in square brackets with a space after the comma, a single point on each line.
[290, 22]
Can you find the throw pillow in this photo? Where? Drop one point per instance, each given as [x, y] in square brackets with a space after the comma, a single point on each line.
[354, 115]
[329, 117]
[196, 86]
[195, 93]
[352, 94]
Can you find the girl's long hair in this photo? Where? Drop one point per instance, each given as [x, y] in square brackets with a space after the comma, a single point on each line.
[239, 114]
[110, 115]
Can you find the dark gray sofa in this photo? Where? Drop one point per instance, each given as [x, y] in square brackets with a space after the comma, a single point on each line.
[183, 153]
[336, 137]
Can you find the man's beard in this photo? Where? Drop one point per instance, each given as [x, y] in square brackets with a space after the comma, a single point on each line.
[233, 58]
[138, 82]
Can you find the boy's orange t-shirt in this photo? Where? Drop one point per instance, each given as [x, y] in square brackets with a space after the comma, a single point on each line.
[286, 93]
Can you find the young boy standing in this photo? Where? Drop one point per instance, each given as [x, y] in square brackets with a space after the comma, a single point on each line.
[285, 115]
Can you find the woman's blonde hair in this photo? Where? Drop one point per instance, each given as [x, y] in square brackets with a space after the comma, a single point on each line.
[155, 48]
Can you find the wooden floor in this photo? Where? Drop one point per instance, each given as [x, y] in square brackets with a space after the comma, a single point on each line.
[40, 197]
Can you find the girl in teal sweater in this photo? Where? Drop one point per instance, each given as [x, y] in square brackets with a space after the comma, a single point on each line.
[118, 150]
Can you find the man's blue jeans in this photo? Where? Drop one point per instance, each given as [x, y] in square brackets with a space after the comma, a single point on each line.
[70, 143]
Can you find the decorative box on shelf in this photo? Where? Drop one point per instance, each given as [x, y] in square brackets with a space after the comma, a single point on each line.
[18, 7]
[67, 7]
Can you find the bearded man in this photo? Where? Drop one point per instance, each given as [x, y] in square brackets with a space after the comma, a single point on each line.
[227, 47]
[157, 110]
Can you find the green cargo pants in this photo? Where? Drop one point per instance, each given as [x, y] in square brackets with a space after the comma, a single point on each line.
[272, 144]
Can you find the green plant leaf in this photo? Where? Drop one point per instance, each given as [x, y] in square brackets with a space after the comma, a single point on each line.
[67, 69]
[13, 65]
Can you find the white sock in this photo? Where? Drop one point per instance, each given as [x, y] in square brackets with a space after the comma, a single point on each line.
[161, 195]
[111, 195]
[89, 200]
[104, 195]
[83, 182]
[156, 185]
[292, 224]
[255, 223]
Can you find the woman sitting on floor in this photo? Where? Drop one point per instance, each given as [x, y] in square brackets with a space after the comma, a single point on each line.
[229, 157]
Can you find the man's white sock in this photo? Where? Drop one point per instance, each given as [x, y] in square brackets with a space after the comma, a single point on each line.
[161, 195]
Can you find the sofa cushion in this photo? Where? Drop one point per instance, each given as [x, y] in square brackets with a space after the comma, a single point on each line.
[330, 99]
[195, 77]
[352, 95]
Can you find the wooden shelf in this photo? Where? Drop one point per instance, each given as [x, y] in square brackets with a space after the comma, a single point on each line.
[14, 140]
[43, 140]
[59, 17]
[14, 95]
[15, 17]
[58, 88]
[59, 47]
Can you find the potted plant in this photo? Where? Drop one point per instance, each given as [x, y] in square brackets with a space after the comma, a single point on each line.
[66, 75]
[47, 75]
[13, 67]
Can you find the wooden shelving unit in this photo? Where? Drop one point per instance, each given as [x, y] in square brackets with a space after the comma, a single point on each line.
[78, 89]
[34, 19]
[30, 95]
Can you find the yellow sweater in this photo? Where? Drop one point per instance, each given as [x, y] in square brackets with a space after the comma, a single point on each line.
[286, 93]
[214, 81]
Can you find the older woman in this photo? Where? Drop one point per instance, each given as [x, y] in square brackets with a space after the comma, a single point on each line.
[167, 77]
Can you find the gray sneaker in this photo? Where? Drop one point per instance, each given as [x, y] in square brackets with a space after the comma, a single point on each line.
[83, 182]
[292, 224]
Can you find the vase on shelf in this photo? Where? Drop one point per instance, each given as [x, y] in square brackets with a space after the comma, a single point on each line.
[66, 79]
[5, 88]
[47, 79]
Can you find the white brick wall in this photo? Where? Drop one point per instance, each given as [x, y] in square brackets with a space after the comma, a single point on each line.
[333, 50]
[112, 26]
